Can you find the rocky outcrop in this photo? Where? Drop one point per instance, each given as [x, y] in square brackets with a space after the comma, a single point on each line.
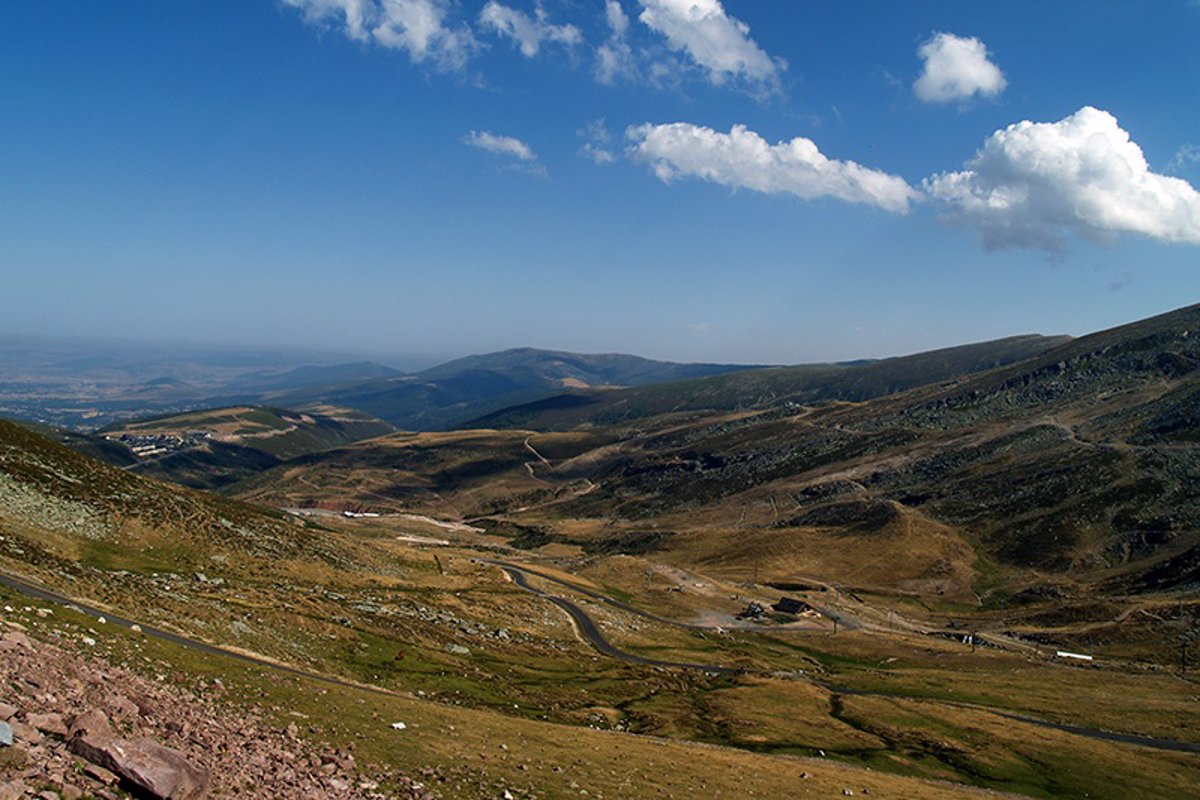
[159, 771]
[83, 728]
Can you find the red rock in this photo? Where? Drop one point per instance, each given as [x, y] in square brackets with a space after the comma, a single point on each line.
[92, 722]
[17, 639]
[26, 733]
[48, 723]
[122, 706]
[100, 774]
[162, 772]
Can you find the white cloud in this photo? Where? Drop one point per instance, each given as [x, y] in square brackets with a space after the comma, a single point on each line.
[418, 27]
[528, 32]
[716, 41]
[597, 154]
[596, 131]
[956, 68]
[615, 58]
[1187, 156]
[1032, 184]
[500, 145]
[743, 159]
[618, 20]
[597, 146]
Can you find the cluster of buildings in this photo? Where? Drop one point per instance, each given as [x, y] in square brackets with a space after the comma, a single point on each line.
[149, 445]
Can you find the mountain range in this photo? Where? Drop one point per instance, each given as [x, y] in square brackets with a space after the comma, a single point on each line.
[796, 561]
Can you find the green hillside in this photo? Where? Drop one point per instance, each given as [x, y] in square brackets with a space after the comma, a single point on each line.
[763, 388]
[212, 448]
[447, 395]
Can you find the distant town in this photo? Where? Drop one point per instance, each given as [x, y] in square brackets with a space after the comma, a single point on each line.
[150, 445]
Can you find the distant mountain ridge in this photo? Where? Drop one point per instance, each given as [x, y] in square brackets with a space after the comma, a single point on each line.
[853, 381]
[451, 393]
[311, 376]
[1070, 469]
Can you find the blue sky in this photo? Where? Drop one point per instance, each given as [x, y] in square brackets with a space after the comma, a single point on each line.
[434, 177]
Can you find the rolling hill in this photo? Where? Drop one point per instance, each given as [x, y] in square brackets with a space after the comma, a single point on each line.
[1071, 470]
[447, 395]
[1077, 463]
[495, 689]
[212, 448]
[765, 388]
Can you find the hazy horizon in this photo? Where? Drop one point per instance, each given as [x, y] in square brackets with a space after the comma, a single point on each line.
[739, 186]
[410, 362]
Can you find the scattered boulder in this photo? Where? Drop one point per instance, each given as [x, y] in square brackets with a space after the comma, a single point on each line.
[162, 772]
[100, 775]
[165, 739]
[25, 732]
[12, 639]
[48, 723]
[93, 722]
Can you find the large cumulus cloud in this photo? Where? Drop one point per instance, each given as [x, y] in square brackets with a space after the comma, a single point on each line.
[1033, 184]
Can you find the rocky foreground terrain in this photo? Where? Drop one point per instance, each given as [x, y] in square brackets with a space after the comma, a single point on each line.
[76, 727]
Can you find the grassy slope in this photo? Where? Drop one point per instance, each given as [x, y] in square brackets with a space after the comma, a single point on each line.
[776, 386]
[344, 600]
[1051, 482]
[276, 432]
[245, 441]
[446, 395]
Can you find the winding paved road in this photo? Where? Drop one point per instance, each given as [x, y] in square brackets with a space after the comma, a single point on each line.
[586, 625]
[847, 623]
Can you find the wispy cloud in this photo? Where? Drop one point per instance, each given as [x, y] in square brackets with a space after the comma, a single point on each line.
[1186, 157]
[527, 32]
[517, 153]
[615, 58]
[741, 159]
[718, 43]
[1032, 184]
[418, 27]
[956, 68]
[500, 145]
[597, 147]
